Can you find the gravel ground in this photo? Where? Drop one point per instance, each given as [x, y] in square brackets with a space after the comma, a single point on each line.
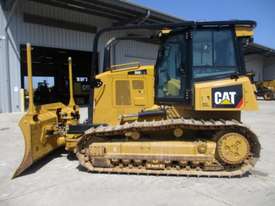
[58, 180]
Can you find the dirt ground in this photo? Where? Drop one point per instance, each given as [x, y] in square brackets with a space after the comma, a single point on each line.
[58, 180]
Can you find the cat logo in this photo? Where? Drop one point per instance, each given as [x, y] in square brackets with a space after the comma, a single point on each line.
[227, 97]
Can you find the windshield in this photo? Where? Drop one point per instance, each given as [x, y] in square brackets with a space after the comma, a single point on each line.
[213, 53]
[170, 66]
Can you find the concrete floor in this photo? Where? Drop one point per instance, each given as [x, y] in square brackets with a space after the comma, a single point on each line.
[57, 180]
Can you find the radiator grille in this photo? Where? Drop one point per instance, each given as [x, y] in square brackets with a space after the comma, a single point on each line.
[123, 95]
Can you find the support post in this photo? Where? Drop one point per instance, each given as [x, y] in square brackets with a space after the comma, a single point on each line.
[32, 110]
[71, 102]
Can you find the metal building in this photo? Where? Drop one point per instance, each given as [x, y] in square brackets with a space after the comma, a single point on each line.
[56, 26]
[261, 61]
[61, 28]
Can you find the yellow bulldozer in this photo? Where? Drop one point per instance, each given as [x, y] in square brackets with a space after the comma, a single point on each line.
[181, 116]
[266, 89]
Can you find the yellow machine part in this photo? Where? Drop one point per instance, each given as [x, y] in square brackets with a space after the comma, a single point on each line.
[124, 91]
[243, 31]
[123, 94]
[43, 127]
[155, 150]
[210, 95]
[41, 135]
[266, 89]
[270, 84]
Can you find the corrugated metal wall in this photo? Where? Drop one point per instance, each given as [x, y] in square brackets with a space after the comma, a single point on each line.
[262, 66]
[269, 68]
[254, 63]
[4, 93]
[40, 35]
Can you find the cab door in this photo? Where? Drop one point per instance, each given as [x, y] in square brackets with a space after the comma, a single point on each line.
[172, 81]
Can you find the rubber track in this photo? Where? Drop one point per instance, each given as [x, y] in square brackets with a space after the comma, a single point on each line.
[191, 124]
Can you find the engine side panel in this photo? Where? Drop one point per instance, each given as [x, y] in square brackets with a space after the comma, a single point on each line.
[124, 91]
[225, 95]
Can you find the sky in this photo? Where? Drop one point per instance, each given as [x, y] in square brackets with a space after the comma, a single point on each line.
[262, 11]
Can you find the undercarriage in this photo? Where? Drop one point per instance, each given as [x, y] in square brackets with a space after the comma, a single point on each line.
[221, 148]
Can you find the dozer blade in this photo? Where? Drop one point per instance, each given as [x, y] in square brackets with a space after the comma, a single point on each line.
[41, 133]
[33, 134]
[44, 127]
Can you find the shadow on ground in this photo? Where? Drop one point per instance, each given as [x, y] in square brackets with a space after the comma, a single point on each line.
[45, 160]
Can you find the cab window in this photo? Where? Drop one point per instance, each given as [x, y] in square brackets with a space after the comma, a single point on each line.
[213, 53]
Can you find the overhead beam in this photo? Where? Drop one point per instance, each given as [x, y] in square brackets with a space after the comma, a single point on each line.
[35, 19]
[118, 6]
[129, 16]
[102, 9]
[113, 7]
[97, 7]
[63, 5]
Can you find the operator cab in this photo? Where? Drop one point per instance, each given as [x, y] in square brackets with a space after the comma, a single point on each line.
[198, 54]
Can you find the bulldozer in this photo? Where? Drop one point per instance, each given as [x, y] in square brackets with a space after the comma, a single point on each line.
[181, 116]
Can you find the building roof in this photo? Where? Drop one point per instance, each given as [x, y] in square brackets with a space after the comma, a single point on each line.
[122, 12]
[255, 48]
